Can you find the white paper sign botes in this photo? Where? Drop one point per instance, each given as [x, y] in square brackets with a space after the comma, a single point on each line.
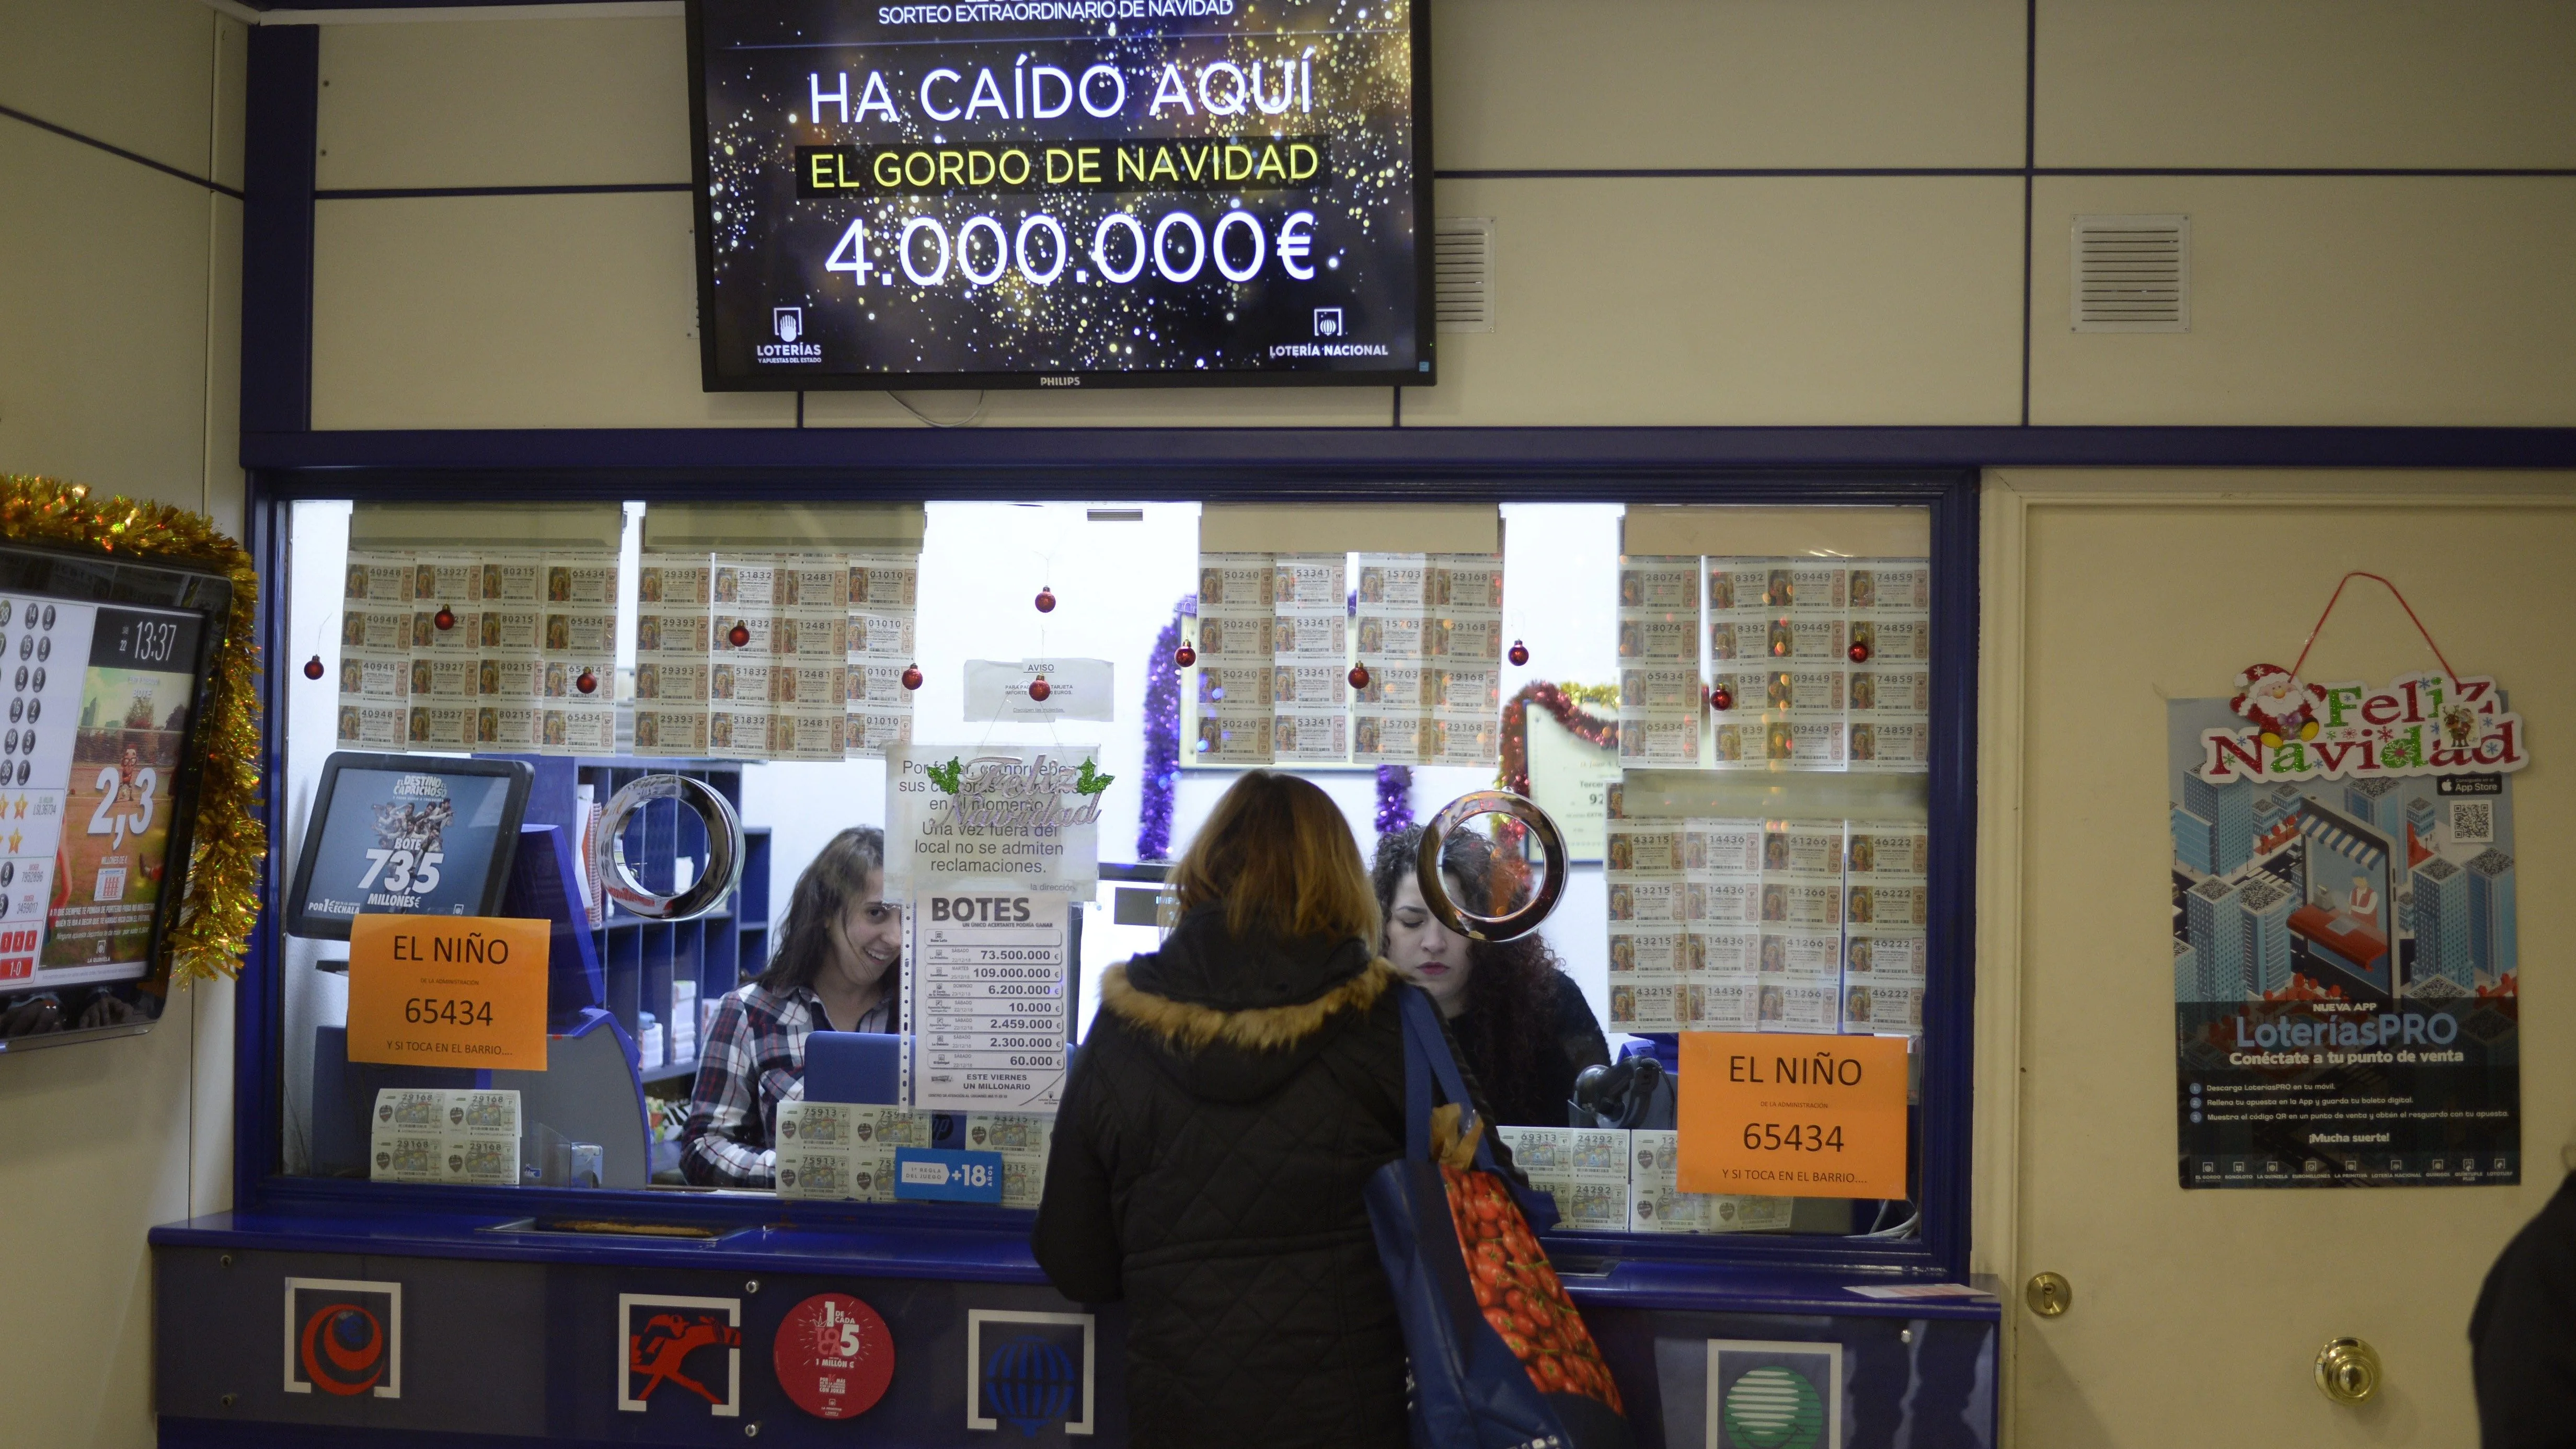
[996, 816]
[1076, 689]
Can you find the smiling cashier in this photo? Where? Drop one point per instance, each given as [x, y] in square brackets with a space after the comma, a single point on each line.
[834, 970]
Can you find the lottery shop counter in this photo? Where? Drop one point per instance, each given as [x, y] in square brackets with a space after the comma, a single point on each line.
[464, 1328]
[1745, 701]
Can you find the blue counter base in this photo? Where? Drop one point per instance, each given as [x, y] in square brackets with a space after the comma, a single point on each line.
[436, 1330]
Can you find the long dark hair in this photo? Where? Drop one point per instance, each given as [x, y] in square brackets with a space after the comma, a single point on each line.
[1511, 986]
[836, 880]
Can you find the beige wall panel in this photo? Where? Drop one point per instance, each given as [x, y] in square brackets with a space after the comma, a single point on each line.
[504, 103]
[514, 312]
[2176, 83]
[2324, 300]
[2208, 1308]
[103, 277]
[224, 480]
[232, 86]
[1657, 83]
[94, 1150]
[1152, 407]
[133, 73]
[1740, 301]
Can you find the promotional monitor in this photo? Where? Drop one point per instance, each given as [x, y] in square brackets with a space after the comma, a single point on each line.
[1064, 193]
[418, 835]
[103, 671]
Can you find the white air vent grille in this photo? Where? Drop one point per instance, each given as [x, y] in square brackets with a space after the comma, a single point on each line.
[2132, 273]
[1463, 272]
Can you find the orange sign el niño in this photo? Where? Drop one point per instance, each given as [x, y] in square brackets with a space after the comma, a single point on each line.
[1793, 1116]
[448, 991]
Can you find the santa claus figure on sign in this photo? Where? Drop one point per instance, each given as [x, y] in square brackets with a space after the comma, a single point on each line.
[2274, 699]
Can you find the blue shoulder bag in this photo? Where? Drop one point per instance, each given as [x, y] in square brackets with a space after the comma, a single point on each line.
[1500, 1358]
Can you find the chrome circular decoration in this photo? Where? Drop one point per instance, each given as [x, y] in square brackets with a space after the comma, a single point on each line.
[724, 849]
[1435, 893]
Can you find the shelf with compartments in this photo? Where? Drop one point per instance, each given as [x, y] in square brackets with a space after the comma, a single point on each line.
[651, 965]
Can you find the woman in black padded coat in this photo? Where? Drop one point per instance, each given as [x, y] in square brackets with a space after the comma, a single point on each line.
[1219, 1126]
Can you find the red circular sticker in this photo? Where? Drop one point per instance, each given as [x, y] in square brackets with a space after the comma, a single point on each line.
[834, 1356]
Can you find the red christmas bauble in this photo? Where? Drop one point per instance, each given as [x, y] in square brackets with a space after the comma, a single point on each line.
[1779, 648]
[1859, 654]
[1046, 605]
[313, 667]
[445, 618]
[1519, 654]
[1185, 656]
[1039, 689]
[588, 683]
[739, 634]
[912, 676]
[1721, 698]
[1359, 676]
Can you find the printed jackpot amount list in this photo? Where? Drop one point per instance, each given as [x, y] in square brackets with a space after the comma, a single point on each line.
[990, 1004]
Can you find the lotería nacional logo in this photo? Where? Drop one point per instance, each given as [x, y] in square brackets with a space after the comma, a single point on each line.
[1774, 1395]
[679, 1349]
[1028, 1370]
[1328, 321]
[343, 1338]
[787, 324]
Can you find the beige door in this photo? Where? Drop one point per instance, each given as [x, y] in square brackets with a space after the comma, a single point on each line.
[2197, 1316]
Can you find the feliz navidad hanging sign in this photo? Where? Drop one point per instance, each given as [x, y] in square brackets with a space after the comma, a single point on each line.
[2422, 724]
[2436, 722]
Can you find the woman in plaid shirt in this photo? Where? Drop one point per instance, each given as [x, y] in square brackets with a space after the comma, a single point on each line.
[834, 970]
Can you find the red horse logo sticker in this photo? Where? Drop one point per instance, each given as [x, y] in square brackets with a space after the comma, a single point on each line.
[675, 1341]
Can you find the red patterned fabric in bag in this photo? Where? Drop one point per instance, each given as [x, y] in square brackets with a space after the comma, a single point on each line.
[1519, 1292]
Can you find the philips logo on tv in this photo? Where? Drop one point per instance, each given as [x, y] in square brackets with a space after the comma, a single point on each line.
[788, 325]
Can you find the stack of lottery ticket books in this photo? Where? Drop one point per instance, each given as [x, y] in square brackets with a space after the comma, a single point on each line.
[844, 1151]
[1614, 1180]
[453, 1135]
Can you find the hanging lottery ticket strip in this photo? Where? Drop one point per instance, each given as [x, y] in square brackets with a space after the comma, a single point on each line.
[1295, 664]
[773, 655]
[1766, 925]
[1758, 663]
[461, 646]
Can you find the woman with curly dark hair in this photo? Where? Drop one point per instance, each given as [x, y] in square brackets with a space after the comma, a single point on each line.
[1521, 1022]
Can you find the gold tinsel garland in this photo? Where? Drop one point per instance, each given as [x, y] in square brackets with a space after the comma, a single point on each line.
[215, 917]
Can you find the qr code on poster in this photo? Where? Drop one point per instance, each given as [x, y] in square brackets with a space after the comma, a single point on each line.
[2473, 822]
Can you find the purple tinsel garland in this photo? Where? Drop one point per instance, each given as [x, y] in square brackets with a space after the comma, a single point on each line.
[1162, 737]
[1394, 799]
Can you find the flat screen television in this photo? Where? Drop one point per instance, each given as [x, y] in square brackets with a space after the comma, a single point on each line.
[1062, 193]
[414, 835]
[103, 671]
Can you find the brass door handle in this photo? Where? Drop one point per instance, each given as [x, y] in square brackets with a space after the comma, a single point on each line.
[2347, 1371]
[2048, 1294]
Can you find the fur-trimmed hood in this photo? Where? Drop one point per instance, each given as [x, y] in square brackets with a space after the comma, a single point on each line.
[1236, 1017]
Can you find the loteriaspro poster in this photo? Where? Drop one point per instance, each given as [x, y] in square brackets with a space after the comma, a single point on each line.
[2344, 942]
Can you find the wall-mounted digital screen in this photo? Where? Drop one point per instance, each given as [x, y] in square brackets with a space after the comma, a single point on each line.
[407, 835]
[1004, 193]
[103, 664]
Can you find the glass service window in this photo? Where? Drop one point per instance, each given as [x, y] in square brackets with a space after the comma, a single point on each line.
[1725, 710]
